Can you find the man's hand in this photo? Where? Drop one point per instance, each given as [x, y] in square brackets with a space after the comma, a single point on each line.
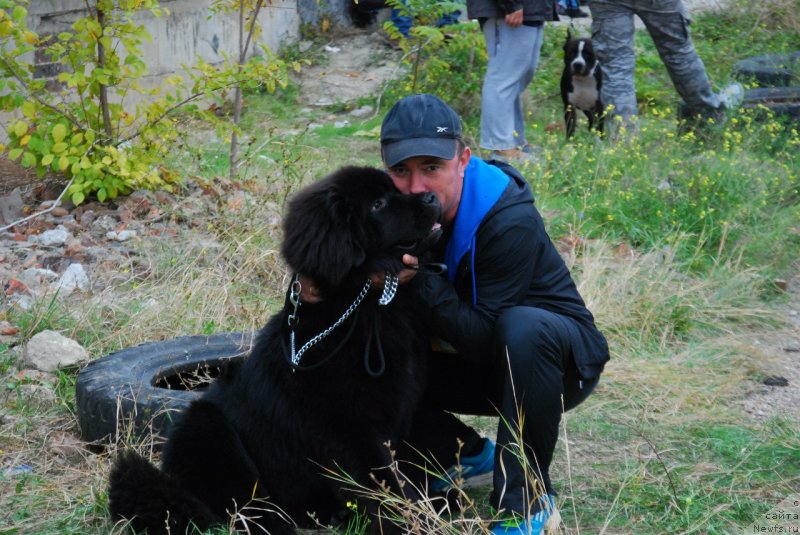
[514, 19]
[405, 275]
[309, 293]
[413, 264]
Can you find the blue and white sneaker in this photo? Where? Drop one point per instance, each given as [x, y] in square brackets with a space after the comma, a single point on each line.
[545, 521]
[471, 469]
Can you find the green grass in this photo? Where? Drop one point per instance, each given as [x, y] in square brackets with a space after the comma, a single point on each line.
[720, 194]
[674, 241]
[659, 450]
[714, 477]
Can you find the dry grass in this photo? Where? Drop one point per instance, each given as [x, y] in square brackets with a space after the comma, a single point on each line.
[194, 283]
[177, 287]
[649, 296]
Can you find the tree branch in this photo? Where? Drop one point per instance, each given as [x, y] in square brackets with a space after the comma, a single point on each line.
[252, 30]
[101, 63]
[36, 97]
[170, 110]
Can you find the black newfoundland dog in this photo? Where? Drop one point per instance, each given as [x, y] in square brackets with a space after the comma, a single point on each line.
[326, 386]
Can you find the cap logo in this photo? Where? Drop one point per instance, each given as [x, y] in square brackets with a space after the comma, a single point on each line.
[441, 129]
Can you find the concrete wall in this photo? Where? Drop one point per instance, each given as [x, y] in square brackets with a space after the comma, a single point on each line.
[311, 11]
[179, 39]
[188, 32]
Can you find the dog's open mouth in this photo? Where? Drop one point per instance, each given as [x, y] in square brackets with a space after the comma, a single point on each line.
[427, 241]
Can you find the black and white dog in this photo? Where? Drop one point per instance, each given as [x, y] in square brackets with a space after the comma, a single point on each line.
[580, 83]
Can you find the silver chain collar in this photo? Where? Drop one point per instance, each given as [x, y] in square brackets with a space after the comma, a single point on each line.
[389, 291]
[389, 288]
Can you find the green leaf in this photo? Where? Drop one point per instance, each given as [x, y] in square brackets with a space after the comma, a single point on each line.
[21, 128]
[78, 197]
[36, 144]
[60, 147]
[13, 154]
[28, 159]
[28, 109]
[19, 13]
[63, 163]
[59, 133]
[47, 159]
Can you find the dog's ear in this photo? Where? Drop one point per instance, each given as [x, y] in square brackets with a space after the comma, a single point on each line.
[322, 234]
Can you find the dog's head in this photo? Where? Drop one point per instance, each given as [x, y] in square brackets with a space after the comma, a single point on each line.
[353, 223]
[579, 57]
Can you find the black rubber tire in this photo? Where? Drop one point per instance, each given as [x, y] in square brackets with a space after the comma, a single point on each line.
[782, 101]
[130, 390]
[773, 70]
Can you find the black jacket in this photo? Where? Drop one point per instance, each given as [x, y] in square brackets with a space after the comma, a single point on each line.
[516, 264]
[535, 10]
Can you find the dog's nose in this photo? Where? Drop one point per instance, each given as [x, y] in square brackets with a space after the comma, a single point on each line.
[429, 197]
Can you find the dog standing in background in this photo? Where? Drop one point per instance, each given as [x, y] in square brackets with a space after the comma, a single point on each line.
[580, 83]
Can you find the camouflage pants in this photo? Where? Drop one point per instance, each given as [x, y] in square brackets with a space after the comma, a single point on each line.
[668, 25]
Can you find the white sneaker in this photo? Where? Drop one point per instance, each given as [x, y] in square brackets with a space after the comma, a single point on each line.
[732, 96]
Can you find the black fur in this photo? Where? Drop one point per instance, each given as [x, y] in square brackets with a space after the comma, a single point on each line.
[581, 82]
[267, 432]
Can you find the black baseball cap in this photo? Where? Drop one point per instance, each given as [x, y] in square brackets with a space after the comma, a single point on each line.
[419, 125]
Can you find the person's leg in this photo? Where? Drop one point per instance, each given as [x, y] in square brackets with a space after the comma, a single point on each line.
[453, 386]
[527, 77]
[535, 348]
[612, 36]
[513, 54]
[668, 25]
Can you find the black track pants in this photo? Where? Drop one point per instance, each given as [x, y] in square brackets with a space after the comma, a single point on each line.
[530, 370]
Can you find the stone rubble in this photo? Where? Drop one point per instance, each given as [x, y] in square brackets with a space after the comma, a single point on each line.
[49, 351]
[71, 249]
[78, 252]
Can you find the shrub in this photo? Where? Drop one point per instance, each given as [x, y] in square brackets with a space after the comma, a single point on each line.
[84, 131]
[79, 132]
[447, 61]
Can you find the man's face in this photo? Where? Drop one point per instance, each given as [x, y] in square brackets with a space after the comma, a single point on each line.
[444, 178]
